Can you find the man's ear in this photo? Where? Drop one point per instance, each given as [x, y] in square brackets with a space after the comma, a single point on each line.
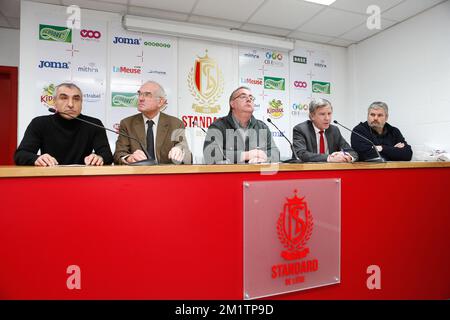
[162, 102]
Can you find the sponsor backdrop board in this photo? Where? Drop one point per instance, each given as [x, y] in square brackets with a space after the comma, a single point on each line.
[310, 75]
[134, 59]
[205, 81]
[266, 73]
[292, 238]
[70, 55]
[109, 64]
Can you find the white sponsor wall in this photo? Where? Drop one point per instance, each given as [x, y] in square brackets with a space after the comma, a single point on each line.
[206, 76]
[110, 63]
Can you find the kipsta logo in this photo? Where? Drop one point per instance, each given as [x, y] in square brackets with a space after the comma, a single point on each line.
[91, 34]
[123, 40]
[294, 227]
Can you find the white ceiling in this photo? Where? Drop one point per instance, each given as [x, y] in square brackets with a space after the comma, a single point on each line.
[341, 24]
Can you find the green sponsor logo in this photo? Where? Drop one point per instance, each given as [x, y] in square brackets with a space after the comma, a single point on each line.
[124, 99]
[55, 33]
[321, 87]
[274, 83]
[298, 59]
[157, 44]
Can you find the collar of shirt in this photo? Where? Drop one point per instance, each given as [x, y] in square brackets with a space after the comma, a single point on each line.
[317, 130]
[155, 121]
[251, 123]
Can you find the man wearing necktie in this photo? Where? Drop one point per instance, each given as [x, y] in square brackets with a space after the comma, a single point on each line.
[162, 135]
[316, 140]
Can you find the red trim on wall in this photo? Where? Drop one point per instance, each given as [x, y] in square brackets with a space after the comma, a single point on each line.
[8, 113]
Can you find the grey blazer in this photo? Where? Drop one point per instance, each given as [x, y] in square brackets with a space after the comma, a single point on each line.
[305, 144]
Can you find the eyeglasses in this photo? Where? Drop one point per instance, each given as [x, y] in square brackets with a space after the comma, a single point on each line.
[145, 94]
[243, 96]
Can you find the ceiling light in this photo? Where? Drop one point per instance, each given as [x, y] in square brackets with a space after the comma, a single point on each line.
[323, 2]
[203, 32]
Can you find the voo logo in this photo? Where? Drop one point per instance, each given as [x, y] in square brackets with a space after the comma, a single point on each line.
[300, 84]
[90, 34]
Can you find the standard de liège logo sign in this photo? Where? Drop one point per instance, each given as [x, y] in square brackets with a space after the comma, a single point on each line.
[294, 227]
[205, 81]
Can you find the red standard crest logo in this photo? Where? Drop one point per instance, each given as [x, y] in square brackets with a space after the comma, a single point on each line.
[294, 228]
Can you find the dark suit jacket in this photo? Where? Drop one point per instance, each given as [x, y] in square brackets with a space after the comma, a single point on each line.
[305, 144]
[167, 126]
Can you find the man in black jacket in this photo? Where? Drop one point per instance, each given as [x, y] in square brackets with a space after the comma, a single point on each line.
[62, 139]
[239, 137]
[387, 139]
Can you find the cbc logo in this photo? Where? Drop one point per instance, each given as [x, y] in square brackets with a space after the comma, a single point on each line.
[300, 84]
[90, 34]
[274, 55]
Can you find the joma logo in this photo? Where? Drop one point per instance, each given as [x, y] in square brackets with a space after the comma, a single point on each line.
[53, 64]
[126, 40]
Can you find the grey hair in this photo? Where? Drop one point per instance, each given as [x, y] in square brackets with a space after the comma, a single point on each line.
[317, 103]
[379, 105]
[160, 92]
[236, 90]
[69, 85]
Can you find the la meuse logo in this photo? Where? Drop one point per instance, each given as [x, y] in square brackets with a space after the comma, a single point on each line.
[53, 64]
[258, 81]
[122, 69]
[123, 40]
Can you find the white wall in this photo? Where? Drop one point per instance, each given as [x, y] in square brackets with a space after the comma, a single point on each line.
[408, 67]
[9, 48]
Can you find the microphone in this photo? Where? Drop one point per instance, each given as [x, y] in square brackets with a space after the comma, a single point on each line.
[147, 162]
[377, 159]
[294, 158]
[226, 161]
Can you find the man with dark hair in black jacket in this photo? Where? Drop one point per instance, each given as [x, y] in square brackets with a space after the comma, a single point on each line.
[388, 140]
[61, 139]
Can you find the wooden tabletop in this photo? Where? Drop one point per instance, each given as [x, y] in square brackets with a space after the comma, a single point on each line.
[30, 171]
